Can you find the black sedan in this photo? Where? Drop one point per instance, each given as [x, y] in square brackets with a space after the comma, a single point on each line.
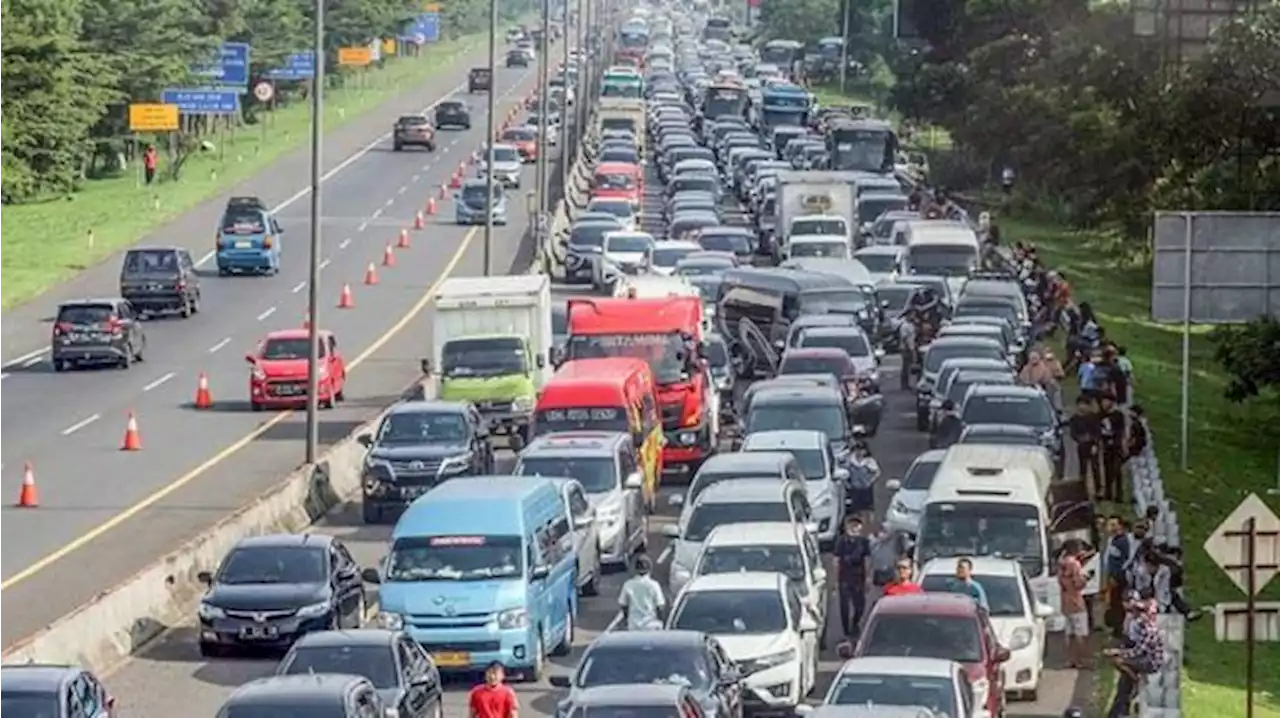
[401, 671]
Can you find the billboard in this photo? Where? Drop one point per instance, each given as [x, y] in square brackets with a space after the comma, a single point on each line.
[1229, 261]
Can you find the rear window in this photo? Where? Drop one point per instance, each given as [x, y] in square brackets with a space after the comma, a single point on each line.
[86, 313]
[413, 121]
[951, 638]
[147, 261]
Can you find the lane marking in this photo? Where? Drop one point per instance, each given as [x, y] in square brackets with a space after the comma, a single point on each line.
[325, 264]
[403, 189]
[416, 178]
[377, 213]
[80, 425]
[388, 203]
[299, 287]
[20, 359]
[220, 345]
[363, 226]
[3, 377]
[32, 362]
[269, 312]
[662, 557]
[230, 450]
[344, 243]
[158, 382]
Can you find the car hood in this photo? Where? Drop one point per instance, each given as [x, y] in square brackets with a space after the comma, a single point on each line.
[501, 166]
[452, 597]
[417, 451]
[283, 368]
[625, 257]
[865, 365]
[746, 648]
[663, 271]
[911, 499]
[1006, 625]
[265, 596]
[685, 553]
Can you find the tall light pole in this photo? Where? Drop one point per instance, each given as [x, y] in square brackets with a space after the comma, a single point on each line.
[492, 136]
[313, 281]
[565, 138]
[844, 43]
[544, 122]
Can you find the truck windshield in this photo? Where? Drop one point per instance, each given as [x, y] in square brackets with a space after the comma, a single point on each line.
[868, 150]
[778, 118]
[947, 260]
[826, 225]
[480, 358]
[724, 102]
[977, 528]
[665, 353]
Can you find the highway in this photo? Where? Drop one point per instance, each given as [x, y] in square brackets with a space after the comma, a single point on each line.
[104, 513]
[170, 678]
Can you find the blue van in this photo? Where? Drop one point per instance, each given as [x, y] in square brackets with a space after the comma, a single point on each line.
[248, 240]
[483, 569]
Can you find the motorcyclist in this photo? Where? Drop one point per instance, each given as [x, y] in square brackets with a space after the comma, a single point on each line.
[927, 306]
[907, 332]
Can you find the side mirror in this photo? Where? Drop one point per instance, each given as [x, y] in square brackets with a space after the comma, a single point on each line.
[840, 474]
[560, 682]
[425, 365]
[205, 577]
[1043, 610]
[811, 527]
[540, 572]
[541, 361]
[633, 481]
[584, 522]
[1002, 654]
[676, 500]
[365, 440]
[820, 575]
[371, 575]
[251, 358]
[893, 484]
[671, 531]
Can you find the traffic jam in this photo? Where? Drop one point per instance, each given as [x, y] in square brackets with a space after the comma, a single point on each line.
[750, 280]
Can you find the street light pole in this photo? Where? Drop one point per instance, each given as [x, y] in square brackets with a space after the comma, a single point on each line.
[565, 139]
[845, 5]
[313, 281]
[491, 136]
[544, 122]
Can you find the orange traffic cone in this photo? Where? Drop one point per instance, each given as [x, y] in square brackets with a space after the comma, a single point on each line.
[132, 440]
[419, 222]
[27, 497]
[444, 191]
[431, 205]
[402, 241]
[371, 275]
[389, 256]
[462, 168]
[345, 300]
[306, 320]
[204, 400]
[456, 181]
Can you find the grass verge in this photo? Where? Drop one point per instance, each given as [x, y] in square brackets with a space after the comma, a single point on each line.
[48, 242]
[1233, 451]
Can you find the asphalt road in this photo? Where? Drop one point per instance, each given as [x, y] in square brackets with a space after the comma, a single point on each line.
[104, 513]
[171, 678]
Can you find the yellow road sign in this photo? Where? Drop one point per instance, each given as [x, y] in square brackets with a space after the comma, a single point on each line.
[153, 117]
[388, 46]
[431, 7]
[358, 56]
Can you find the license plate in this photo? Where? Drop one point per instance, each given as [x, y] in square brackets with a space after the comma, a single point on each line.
[259, 633]
[289, 390]
[452, 659]
[154, 287]
[244, 244]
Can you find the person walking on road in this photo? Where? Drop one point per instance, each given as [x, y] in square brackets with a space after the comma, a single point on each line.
[965, 583]
[1072, 580]
[641, 599]
[149, 160]
[902, 585]
[852, 553]
[494, 698]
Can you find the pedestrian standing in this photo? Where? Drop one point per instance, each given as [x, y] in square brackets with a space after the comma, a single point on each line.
[1116, 563]
[494, 698]
[641, 599]
[902, 585]
[149, 160]
[852, 552]
[1083, 429]
[1145, 654]
[965, 583]
[1072, 580]
[1112, 439]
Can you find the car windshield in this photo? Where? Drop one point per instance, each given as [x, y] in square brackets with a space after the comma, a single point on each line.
[827, 418]
[834, 365]
[618, 208]
[473, 194]
[591, 234]
[942, 259]
[951, 638]
[597, 474]
[818, 226]
[785, 560]
[669, 256]
[520, 134]
[979, 528]
[619, 154]
[454, 558]
[920, 475]
[505, 154]
[627, 243]
[665, 353]
[375, 662]
[708, 516]
[637, 711]
[243, 221]
[938, 353]
[896, 295]
[82, 314]
[614, 181]
[30, 705]
[151, 261]
[276, 709]
[424, 427]
[853, 343]
[632, 664]
[595, 418]
[736, 612]
[708, 285]
[283, 349]
[869, 208]
[735, 243]
[274, 564]
[717, 353]
[413, 121]
[1018, 410]
[837, 301]
[701, 268]
[696, 184]
[998, 434]
[879, 264]
[1003, 310]
[818, 249]
[1004, 593]
[936, 694]
[483, 358]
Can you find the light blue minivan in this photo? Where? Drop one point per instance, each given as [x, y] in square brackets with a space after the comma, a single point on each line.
[483, 569]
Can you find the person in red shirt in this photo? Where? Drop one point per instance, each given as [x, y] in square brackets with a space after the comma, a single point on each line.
[493, 698]
[901, 585]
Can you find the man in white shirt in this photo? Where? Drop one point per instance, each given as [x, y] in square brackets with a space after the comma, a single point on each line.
[641, 600]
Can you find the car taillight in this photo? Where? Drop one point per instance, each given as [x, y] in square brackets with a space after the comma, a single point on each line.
[114, 325]
[182, 286]
[266, 242]
[62, 328]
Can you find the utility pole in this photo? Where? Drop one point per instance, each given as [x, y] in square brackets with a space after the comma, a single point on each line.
[491, 136]
[846, 6]
[313, 279]
[544, 122]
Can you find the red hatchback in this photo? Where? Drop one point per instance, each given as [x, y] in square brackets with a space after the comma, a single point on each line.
[279, 376]
[940, 625]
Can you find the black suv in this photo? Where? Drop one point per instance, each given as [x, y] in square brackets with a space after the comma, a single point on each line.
[517, 58]
[414, 130]
[453, 113]
[480, 79]
[96, 331]
[160, 279]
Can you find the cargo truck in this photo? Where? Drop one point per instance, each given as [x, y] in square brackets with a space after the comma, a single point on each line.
[491, 346]
[816, 204]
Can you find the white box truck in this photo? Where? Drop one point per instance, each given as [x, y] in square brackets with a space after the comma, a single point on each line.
[824, 201]
[491, 344]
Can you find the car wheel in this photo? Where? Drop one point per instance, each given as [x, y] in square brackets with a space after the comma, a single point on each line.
[534, 674]
[922, 421]
[137, 355]
[184, 311]
[210, 650]
[223, 271]
[341, 395]
[592, 587]
[566, 645]
[195, 304]
[256, 406]
[59, 365]
[397, 147]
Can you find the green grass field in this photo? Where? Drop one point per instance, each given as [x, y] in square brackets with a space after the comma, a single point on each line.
[1233, 451]
[45, 243]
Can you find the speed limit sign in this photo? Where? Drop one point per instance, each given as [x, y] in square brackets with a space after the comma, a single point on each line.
[264, 91]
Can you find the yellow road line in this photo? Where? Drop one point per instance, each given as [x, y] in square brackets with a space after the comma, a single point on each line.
[226, 453]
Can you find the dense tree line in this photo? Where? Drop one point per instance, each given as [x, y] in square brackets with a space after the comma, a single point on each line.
[70, 67]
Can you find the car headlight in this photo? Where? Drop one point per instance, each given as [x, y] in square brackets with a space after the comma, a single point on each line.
[455, 463]
[522, 403]
[390, 621]
[1049, 438]
[209, 612]
[1020, 639]
[775, 659]
[981, 687]
[688, 438]
[724, 383]
[902, 509]
[315, 610]
[258, 374]
[513, 618]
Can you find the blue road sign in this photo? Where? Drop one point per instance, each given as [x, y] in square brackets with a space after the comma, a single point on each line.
[423, 28]
[230, 69]
[203, 102]
[298, 66]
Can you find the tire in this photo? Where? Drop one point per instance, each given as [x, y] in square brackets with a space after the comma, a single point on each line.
[137, 355]
[397, 147]
[566, 645]
[371, 514]
[342, 394]
[185, 310]
[195, 304]
[126, 361]
[534, 674]
[592, 587]
[255, 406]
[922, 421]
[210, 650]
[59, 365]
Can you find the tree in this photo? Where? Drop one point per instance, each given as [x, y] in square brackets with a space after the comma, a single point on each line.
[1250, 354]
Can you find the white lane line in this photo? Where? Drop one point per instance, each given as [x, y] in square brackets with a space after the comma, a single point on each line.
[3, 377]
[662, 557]
[363, 226]
[267, 313]
[426, 167]
[388, 203]
[80, 424]
[25, 357]
[377, 213]
[403, 189]
[416, 178]
[299, 287]
[158, 382]
[32, 362]
[344, 243]
[324, 264]
[219, 345]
